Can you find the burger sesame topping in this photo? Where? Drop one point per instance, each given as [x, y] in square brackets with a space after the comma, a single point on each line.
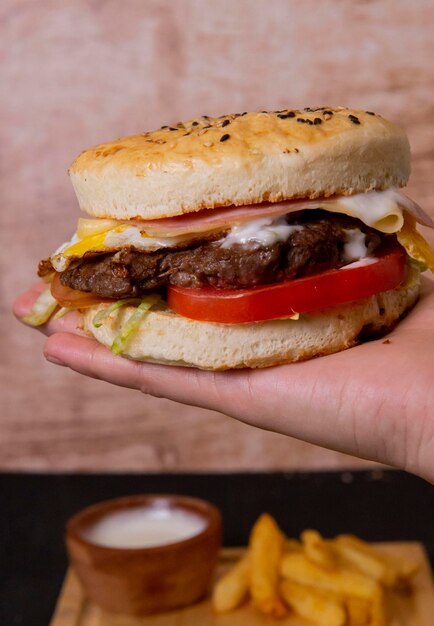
[354, 119]
[224, 137]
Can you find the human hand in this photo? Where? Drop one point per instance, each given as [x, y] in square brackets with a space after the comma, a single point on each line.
[375, 401]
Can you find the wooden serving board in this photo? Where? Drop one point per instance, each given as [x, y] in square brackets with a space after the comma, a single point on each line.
[415, 609]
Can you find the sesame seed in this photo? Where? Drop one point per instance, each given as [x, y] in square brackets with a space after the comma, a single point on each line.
[207, 144]
[317, 120]
[370, 113]
[301, 120]
[195, 123]
[284, 116]
[224, 137]
[225, 123]
[171, 128]
[354, 119]
[164, 127]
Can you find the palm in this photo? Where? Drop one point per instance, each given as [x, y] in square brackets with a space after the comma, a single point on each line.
[375, 401]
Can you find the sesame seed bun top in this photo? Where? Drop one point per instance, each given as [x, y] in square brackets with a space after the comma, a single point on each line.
[241, 159]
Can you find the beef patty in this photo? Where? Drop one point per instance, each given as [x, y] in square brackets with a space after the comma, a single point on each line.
[318, 246]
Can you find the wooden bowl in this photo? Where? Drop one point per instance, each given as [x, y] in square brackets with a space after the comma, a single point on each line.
[140, 581]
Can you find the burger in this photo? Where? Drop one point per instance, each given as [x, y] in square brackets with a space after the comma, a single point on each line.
[247, 240]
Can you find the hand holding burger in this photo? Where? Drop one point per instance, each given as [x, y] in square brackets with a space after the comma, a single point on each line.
[243, 241]
[338, 250]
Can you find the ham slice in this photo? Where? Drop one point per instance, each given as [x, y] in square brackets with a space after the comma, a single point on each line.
[209, 220]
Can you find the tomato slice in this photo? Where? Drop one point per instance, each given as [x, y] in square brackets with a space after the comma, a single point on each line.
[282, 300]
[73, 298]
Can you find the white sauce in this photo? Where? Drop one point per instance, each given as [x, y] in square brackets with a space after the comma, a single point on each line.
[145, 527]
[264, 231]
[355, 246]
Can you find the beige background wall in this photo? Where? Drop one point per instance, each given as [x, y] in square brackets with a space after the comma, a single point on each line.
[74, 73]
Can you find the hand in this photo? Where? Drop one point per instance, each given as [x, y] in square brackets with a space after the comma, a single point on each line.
[375, 401]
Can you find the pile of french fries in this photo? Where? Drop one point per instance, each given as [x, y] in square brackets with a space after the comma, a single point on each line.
[337, 582]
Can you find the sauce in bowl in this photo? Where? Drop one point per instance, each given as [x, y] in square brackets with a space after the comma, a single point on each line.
[144, 527]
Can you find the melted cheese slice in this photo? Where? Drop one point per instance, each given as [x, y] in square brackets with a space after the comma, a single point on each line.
[415, 245]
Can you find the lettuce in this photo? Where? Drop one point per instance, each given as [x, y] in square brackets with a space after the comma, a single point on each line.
[101, 315]
[132, 323]
[42, 309]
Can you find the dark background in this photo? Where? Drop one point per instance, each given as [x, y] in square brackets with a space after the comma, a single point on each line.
[376, 505]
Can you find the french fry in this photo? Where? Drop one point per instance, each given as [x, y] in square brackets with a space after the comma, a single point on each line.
[378, 617]
[338, 582]
[367, 562]
[316, 606]
[390, 571]
[232, 589]
[359, 611]
[266, 549]
[292, 545]
[405, 570]
[317, 550]
[299, 569]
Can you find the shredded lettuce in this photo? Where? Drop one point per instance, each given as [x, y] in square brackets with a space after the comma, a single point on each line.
[132, 323]
[42, 309]
[101, 315]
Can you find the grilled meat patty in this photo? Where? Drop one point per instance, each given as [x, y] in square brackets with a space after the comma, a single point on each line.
[317, 246]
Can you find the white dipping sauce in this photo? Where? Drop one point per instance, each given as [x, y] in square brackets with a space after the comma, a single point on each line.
[144, 527]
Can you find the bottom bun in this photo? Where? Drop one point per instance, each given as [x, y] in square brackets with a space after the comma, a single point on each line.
[165, 337]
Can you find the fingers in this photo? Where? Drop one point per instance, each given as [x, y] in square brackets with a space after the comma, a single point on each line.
[354, 401]
[25, 301]
[88, 357]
